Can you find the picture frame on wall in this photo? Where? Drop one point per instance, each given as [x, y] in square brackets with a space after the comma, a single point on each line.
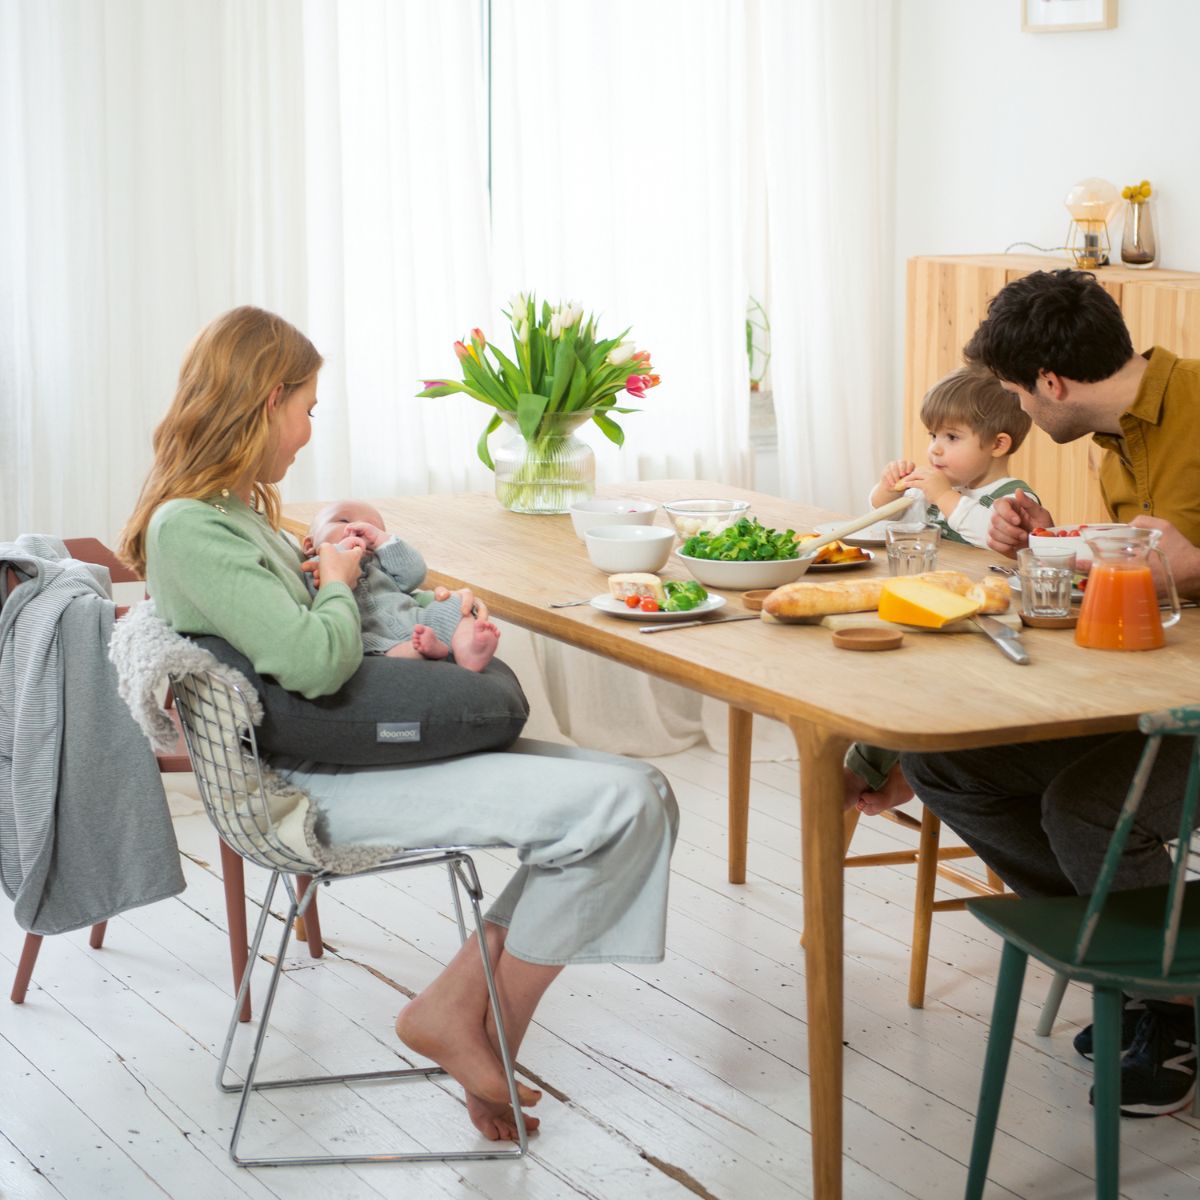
[1067, 16]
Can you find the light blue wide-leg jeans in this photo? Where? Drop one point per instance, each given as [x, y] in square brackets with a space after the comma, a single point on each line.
[593, 831]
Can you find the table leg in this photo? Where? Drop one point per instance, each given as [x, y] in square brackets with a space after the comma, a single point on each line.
[822, 834]
[741, 738]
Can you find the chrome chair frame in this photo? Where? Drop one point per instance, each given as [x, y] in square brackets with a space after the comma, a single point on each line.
[219, 731]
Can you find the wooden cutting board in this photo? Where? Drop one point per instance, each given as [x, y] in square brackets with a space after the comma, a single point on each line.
[872, 620]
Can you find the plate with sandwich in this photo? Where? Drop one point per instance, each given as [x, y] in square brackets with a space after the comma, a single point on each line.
[640, 596]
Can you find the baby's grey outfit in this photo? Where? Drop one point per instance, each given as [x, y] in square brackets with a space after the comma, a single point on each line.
[391, 602]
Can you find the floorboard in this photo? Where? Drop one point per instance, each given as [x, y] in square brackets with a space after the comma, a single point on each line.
[669, 1081]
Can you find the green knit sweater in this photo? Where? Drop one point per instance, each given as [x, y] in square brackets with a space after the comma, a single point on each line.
[230, 574]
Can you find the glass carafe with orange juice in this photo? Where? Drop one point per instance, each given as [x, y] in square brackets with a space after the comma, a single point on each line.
[1120, 606]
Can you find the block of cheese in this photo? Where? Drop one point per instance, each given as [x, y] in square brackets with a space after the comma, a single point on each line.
[911, 601]
[636, 583]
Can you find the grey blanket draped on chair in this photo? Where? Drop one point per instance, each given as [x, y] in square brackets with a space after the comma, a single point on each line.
[84, 828]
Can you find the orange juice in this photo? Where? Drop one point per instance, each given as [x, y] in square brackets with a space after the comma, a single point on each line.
[1120, 609]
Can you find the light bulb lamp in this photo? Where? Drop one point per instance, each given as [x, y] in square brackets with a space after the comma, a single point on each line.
[1091, 203]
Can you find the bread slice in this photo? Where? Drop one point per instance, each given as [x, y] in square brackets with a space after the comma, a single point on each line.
[636, 583]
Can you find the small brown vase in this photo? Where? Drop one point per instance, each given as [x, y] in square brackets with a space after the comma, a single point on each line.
[1138, 248]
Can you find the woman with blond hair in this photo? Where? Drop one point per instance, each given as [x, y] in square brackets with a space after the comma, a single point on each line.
[594, 832]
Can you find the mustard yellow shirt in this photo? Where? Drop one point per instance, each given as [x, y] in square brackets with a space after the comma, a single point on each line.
[1153, 468]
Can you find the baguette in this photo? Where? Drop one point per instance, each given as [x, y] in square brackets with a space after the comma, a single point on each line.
[802, 599]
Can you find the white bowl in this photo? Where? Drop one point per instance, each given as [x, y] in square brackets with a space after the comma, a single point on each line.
[591, 514]
[1065, 545]
[705, 516]
[743, 576]
[615, 548]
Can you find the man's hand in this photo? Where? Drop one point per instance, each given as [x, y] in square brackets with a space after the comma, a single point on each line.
[372, 536]
[1183, 557]
[1013, 519]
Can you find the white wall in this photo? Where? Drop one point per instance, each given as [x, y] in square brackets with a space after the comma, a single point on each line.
[995, 125]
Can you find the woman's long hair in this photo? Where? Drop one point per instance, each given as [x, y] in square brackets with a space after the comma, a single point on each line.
[216, 433]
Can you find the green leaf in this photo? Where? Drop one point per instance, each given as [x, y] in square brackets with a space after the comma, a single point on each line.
[577, 392]
[610, 429]
[530, 408]
[512, 374]
[481, 447]
[564, 364]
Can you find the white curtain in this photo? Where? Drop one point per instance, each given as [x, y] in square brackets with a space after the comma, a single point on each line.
[828, 94]
[164, 160]
[619, 181]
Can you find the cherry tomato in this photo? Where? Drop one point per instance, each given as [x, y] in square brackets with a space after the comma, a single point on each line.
[648, 604]
[1039, 532]
[632, 601]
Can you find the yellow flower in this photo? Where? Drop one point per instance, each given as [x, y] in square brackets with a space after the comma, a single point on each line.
[1137, 193]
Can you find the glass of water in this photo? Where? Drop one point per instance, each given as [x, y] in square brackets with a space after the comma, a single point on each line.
[1046, 581]
[912, 547]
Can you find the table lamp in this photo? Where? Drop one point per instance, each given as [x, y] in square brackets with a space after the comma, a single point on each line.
[1091, 204]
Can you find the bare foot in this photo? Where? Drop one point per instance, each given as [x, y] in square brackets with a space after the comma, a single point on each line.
[457, 1041]
[474, 643]
[894, 792]
[427, 643]
[496, 1121]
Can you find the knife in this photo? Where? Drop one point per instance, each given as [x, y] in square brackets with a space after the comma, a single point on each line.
[1008, 640]
[686, 624]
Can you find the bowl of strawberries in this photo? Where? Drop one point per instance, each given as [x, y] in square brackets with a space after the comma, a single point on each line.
[1063, 539]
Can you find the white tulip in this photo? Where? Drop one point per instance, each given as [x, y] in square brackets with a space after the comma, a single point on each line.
[519, 304]
[621, 354]
[522, 331]
[556, 324]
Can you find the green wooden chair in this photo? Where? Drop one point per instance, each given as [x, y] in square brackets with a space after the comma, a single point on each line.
[1145, 941]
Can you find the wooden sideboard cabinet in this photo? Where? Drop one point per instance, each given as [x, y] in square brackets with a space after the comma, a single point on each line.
[948, 297]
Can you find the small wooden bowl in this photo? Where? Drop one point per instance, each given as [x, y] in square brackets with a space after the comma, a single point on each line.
[866, 637]
[753, 601]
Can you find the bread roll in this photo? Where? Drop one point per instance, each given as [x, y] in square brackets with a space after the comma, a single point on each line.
[803, 599]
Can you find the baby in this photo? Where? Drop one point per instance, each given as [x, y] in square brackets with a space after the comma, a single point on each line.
[975, 427]
[398, 620]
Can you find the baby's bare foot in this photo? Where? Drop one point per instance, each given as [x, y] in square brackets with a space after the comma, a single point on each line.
[457, 1041]
[427, 643]
[474, 644]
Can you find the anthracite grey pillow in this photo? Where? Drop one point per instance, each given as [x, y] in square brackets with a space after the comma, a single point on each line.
[391, 711]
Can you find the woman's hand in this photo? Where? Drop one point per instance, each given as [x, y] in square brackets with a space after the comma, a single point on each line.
[1013, 519]
[335, 565]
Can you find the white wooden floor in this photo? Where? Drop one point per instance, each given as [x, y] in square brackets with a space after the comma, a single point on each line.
[664, 1082]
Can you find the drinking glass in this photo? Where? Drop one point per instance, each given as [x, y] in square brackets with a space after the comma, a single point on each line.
[1046, 580]
[912, 547]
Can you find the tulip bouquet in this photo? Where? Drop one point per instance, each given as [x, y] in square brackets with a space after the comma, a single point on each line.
[559, 366]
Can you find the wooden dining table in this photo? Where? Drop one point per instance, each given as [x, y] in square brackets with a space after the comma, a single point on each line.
[939, 691]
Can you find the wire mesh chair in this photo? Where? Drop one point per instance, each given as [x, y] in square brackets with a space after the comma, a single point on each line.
[219, 732]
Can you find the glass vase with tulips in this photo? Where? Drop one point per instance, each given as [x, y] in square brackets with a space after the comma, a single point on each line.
[559, 375]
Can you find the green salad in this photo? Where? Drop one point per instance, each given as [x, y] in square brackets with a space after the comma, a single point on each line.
[683, 595]
[747, 541]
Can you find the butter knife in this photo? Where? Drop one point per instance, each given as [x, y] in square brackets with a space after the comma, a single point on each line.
[687, 624]
[1008, 640]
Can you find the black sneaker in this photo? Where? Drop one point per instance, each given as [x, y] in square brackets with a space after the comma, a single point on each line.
[1158, 1072]
[1131, 1014]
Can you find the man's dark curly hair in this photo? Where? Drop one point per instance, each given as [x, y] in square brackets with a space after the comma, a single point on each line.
[1060, 321]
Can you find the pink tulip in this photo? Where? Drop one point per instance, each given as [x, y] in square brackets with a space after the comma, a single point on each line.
[477, 336]
[464, 352]
[636, 385]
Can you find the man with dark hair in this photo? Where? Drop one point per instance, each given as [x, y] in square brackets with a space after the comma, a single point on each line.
[1057, 340]
[1040, 814]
